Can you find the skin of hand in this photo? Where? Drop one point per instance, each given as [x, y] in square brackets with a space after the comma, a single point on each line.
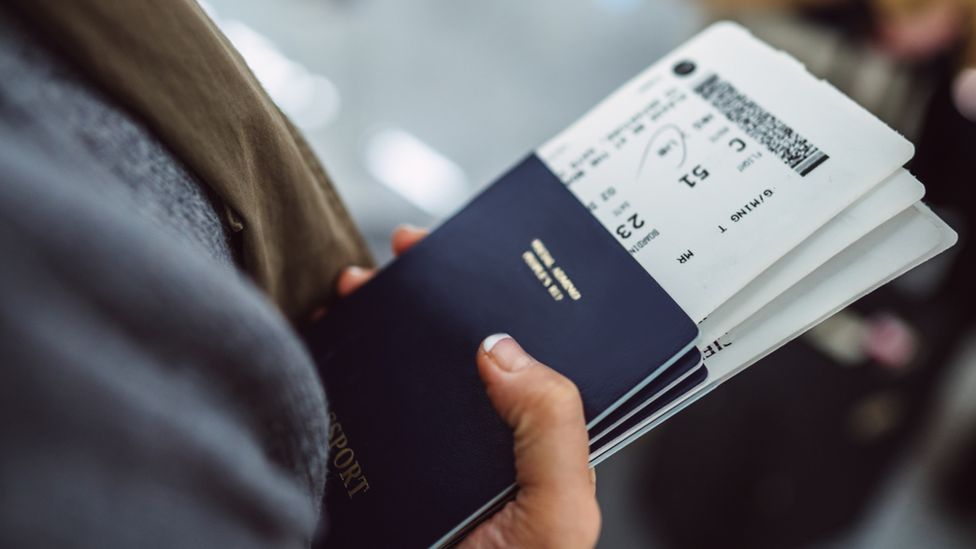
[556, 502]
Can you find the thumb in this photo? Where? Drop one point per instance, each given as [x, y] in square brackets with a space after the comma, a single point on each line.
[556, 493]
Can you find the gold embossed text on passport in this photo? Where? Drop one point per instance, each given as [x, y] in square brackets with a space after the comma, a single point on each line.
[344, 461]
[553, 277]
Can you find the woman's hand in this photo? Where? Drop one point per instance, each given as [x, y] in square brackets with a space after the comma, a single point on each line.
[556, 502]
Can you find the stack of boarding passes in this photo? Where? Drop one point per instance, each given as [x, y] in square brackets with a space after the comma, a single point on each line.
[762, 200]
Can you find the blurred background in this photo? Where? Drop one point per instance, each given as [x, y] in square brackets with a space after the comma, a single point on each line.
[862, 434]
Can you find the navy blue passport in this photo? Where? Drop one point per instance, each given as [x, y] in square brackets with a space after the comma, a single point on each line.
[639, 406]
[625, 432]
[417, 452]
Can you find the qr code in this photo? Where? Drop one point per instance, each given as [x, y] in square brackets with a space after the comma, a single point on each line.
[791, 147]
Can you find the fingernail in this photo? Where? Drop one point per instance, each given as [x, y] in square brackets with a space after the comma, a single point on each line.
[493, 340]
[356, 270]
[409, 227]
[506, 353]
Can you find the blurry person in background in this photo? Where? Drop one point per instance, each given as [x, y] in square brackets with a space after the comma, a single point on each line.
[163, 229]
[909, 30]
[921, 30]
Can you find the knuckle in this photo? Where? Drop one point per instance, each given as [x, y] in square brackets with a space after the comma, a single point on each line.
[573, 523]
[579, 528]
[590, 523]
[556, 400]
[563, 395]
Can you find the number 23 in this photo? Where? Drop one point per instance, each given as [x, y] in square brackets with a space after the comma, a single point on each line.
[635, 223]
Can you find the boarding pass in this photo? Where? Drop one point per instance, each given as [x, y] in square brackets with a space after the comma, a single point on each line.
[716, 161]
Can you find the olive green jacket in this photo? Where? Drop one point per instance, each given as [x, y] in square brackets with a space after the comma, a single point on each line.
[168, 64]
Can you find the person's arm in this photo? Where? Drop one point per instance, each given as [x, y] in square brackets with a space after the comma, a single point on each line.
[556, 503]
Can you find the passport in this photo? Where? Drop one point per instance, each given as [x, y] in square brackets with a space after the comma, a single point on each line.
[412, 427]
[640, 404]
[684, 386]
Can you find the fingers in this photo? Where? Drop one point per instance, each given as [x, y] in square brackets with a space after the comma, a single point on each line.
[317, 314]
[351, 279]
[405, 237]
[544, 410]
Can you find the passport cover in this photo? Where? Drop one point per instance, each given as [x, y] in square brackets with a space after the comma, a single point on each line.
[416, 449]
[612, 439]
[636, 407]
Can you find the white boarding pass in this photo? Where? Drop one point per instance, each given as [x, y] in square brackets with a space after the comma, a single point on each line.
[716, 161]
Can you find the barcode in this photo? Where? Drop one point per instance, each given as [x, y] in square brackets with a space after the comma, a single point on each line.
[792, 148]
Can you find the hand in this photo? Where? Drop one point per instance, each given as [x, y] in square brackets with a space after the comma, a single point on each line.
[556, 502]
